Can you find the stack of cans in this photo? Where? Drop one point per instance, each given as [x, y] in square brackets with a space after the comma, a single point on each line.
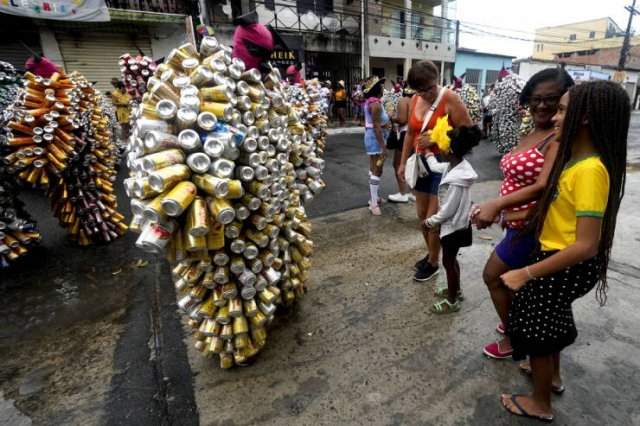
[40, 130]
[18, 231]
[135, 71]
[308, 128]
[507, 113]
[471, 99]
[10, 83]
[213, 185]
[83, 197]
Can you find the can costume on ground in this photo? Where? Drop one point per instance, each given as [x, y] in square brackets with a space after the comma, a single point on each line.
[220, 166]
[18, 231]
[58, 140]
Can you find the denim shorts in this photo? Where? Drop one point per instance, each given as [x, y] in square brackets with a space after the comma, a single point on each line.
[430, 183]
[371, 143]
[516, 248]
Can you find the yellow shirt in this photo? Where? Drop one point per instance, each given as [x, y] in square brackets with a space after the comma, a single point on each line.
[583, 191]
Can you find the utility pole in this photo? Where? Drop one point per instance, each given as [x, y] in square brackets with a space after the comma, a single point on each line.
[625, 45]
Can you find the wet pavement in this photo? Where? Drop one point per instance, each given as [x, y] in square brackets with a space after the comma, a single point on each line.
[92, 336]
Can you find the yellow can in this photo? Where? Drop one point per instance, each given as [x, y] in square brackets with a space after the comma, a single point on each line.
[235, 189]
[179, 198]
[215, 237]
[198, 218]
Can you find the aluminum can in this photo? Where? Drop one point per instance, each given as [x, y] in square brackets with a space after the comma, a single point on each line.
[193, 243]
[222, 111]
[191, 102]
[221, 275]
[179, 198]
[213, 146]
[162, 159]
[235, 189]
[166, 109]
[253, 76]
[186, 118]
[189, 140]
[215, 238]
[252, 203]
[198, 217]
[222, 168]
[250, 251]
[221, 210]
[237, 246]
[201, 75]
[155, 141]
[155, 237]
[241, 212]
[237, 265]
[207, 121]
[212, 185]
[220, 93]
[165, 178]
[199, 162]
[220, 258]
[232, 230]
[208, 46]
[244, 173]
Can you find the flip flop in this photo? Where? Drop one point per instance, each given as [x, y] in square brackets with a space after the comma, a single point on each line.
[556, 389]
[523, 413]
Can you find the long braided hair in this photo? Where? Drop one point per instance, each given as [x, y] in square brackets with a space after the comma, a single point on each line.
[606, 107]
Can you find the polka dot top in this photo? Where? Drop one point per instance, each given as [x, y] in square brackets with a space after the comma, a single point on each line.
[521, 169]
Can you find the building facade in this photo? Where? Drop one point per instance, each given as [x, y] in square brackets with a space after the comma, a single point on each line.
[578, 36]
[350, 39]
[480, 69]
[93, 48]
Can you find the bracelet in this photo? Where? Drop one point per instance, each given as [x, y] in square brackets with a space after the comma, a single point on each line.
[531, 277]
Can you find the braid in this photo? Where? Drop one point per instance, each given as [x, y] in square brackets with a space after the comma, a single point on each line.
[606, 107]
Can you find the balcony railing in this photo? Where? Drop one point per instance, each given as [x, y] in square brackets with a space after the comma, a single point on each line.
[184, 7]
[287, 16]
[412, 25]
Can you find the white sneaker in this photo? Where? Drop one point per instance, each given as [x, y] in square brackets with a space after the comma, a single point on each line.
[411, 197]
[398, 198]
[375, 209]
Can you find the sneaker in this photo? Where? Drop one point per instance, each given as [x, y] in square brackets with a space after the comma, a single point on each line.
[411, 197]
[421, 263]
[492, 350]
[500, 328]
[375, 209]
[444, 292]
[445, 307]
[426, 273]
[398, 198]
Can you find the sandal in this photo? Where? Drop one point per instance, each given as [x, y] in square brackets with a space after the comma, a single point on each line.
[523, 413]
[556, 389]
[444, 292]
[445, 307]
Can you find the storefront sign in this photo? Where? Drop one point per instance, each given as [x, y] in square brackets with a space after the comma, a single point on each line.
[66, 10]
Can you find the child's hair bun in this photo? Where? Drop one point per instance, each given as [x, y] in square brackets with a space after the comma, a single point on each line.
[463, 139]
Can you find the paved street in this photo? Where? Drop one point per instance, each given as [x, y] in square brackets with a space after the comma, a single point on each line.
[92, 336]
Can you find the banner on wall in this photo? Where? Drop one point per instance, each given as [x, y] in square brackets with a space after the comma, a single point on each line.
[65, 10]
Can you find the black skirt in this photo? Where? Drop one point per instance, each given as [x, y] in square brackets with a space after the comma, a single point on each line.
[540, 319]
[460, 238]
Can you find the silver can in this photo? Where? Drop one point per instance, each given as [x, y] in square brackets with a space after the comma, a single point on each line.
[186, 118]
[191, 102]
[242, 212]
[155, 141]
[244, 173]
[208, 46]
[199, 162]
[166, 109]
[242, 88]
[189, 140]
[214, 146]
[207, 121]
[237, 246]
[222, 168]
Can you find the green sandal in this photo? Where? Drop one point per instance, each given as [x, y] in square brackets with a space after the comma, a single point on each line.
[444, 292]
[445, 307]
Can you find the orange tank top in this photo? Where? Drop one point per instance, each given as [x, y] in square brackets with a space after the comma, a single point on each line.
[416, 124]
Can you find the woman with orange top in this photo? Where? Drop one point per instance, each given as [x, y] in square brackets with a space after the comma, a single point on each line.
[423, 78]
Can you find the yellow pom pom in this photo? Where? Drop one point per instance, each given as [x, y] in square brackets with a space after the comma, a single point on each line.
[439, 133]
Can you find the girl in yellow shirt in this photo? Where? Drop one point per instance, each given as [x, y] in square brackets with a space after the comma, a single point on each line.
[575, 223]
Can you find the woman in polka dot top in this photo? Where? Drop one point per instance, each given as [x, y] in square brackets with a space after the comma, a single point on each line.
[526, 171]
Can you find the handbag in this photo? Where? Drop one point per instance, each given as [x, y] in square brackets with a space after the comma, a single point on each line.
[415, 168]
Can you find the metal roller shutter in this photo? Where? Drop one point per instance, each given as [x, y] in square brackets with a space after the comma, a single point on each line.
[95, 54]
[18, 38]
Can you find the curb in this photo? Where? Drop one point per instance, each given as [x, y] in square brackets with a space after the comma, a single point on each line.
[346, 131]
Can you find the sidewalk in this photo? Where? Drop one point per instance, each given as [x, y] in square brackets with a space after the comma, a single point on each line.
[362, 347]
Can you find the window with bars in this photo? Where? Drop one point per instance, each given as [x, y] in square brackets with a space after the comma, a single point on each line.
[472, 77]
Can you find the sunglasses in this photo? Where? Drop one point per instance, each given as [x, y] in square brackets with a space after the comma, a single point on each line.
[551, 100]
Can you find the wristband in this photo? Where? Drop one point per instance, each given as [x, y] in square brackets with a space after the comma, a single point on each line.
[531, 277]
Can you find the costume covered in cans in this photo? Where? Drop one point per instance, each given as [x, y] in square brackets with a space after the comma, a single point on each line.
[220, 165]
[59, 140]
[507, 113]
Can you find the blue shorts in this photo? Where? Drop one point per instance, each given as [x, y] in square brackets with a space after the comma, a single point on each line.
[371, 143]
[430, 183]
[516, 248]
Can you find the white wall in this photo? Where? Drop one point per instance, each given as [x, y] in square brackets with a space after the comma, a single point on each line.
[391, 47]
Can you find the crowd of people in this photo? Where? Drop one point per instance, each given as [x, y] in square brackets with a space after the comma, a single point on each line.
[558, 201]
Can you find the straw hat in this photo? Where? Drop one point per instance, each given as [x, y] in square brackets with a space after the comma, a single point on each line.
[371, 82]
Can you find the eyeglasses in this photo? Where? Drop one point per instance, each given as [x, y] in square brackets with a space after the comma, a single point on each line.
[551, 100]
